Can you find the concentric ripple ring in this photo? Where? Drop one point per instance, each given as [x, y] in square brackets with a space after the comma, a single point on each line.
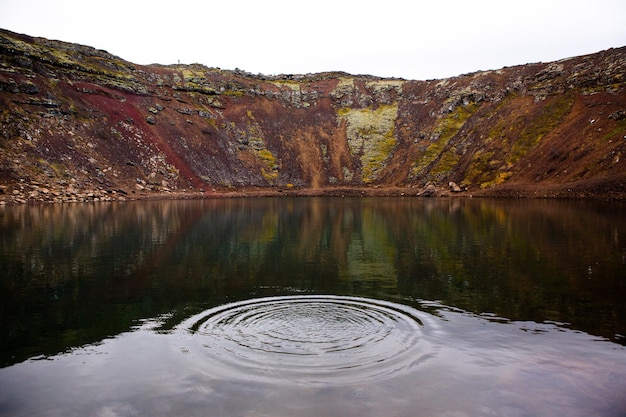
[307, 339]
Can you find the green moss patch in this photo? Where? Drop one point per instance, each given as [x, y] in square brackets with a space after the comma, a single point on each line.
[547, 120]
[447, 127]
[510, 142]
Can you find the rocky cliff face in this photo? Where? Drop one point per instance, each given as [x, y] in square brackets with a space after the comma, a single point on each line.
[81, 124]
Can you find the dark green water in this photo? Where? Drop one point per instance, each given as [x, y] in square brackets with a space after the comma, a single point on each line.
[319, 306]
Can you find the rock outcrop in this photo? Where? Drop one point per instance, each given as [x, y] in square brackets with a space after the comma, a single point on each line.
[79, 124]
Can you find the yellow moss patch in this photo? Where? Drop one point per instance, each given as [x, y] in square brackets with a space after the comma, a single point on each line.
[383, 86]
[344, 86]
[479, 171]
[371, 136]
[292, 85]
[190, 74]
[486, 171]
[269, 168]
[267, 157]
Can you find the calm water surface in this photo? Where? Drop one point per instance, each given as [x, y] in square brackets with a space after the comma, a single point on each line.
[313, 307]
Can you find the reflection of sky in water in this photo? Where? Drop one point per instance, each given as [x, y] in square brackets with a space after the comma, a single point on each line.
[479, 367]
[511, 293]
[308, 339]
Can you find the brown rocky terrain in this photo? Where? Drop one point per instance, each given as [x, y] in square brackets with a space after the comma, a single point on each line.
[80, 124]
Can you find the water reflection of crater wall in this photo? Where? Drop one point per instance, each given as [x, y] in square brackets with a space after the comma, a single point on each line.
[531, 260]
[74, 274]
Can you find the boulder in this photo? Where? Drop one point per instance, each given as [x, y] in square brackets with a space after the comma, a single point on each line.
[428, 191]
[618, 115]
[454, 187]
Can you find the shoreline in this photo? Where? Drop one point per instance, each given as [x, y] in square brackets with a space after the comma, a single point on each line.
[605, 191]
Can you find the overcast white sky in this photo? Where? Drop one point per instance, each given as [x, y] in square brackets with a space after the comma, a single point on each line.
[390, 38]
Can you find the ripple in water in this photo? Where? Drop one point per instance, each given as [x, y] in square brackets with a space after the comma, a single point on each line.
[307, 339]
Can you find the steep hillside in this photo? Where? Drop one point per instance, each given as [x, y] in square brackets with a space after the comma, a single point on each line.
[80, 124]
